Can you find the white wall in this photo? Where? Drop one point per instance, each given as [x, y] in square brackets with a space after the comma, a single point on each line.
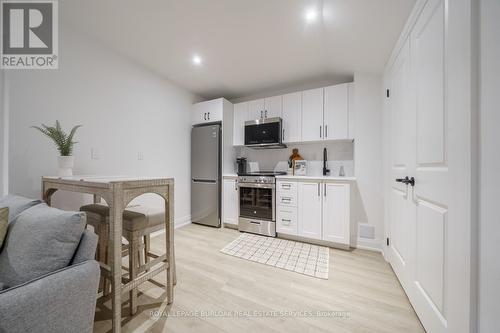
[489, 263]
[368, 156]
[124, 110]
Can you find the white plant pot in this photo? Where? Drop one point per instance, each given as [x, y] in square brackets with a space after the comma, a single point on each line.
[66, 164]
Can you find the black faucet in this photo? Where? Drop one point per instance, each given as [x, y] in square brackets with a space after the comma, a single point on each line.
[325, 158]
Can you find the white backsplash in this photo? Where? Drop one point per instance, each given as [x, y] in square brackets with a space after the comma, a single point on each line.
[339, 154]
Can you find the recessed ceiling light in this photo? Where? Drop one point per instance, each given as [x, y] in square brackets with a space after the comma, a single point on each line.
[311, 15]
[197, 60]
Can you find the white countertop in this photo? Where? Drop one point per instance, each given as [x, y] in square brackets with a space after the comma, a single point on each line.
[332, 178]
[290, 177]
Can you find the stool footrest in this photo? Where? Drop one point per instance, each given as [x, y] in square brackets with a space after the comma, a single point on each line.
[144, 277]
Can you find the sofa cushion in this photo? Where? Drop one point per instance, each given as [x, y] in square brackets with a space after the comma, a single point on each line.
[40, 240]
[4, 221]
[17, 204]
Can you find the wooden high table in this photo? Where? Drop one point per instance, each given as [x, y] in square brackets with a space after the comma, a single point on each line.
[118, 192]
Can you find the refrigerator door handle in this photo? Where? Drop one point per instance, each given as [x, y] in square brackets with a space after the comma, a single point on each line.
[209, 181]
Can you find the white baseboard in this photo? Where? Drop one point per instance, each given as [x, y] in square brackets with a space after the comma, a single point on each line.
[369, 244]
[179, 223]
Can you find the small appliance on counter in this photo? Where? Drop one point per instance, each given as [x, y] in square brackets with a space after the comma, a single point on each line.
[241, 162]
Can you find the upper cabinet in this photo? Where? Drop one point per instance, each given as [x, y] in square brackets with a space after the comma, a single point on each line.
[292, 117]
[256, 109]
[208, 112]
[336, 112]
[312, 115]
[273, 107]
[240, 116]
[265, 108]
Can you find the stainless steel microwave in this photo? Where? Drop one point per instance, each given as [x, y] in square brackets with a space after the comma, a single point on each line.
[264, 133]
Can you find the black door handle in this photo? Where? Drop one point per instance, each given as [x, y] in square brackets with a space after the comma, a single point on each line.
[406, 181]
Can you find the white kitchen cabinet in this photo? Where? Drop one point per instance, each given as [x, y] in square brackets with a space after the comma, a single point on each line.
[240, 116]
[292, 117]
[208, 111]
[256, 109]
[309, 209]
[273, 106]
[230, 202]
[336, 213]
[352, 110]
[265, 108]
[336, 112]
[286, 220]
[312, 115]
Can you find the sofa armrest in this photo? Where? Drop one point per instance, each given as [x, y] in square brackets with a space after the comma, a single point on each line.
[86, 249]
[62, 301]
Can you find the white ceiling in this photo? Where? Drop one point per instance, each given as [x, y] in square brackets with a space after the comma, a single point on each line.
[247, 46]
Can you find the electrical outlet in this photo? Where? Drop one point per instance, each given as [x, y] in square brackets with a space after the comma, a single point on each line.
[94, 154]
[140, 156]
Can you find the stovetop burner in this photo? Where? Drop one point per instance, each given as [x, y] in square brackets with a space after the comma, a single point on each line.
[263, 173]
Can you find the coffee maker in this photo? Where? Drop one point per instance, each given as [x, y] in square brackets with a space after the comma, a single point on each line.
[242, 165]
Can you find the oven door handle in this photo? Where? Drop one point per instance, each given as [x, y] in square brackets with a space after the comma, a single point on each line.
[256, 185]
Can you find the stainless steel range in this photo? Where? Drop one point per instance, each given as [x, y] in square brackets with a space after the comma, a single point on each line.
[258, 203]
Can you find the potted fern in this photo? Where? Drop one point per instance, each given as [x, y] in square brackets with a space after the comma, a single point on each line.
[64, 143]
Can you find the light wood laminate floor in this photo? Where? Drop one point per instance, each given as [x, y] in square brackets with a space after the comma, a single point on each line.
[220, 293]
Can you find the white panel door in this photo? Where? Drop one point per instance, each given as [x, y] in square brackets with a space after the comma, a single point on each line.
[336, 213]
[402, 153]
[240, 116]
[273, 106]
[431, 194]
[256, 109]
[312, 115]
[292, 117]
[429, 236]
[309, 209]
[336, 112]
[230, 202]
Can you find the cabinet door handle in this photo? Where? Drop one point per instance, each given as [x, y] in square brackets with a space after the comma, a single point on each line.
[286, 199]
[209, 116]
[318, 189]
[261, 112]
[325, 190]
[283, 135]
[320, 131]
[236, 185]
[205, 116]
[326, 131]
[286, 220]
[265, 113]
[286, 185]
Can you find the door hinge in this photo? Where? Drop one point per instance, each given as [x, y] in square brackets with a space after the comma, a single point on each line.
[387, 93]
[387, 241]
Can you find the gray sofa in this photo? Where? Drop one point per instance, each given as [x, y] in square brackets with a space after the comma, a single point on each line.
[58, 287]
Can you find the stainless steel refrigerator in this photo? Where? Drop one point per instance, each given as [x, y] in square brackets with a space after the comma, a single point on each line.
[206, 175]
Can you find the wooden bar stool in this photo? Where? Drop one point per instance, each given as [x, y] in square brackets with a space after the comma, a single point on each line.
[138, 224]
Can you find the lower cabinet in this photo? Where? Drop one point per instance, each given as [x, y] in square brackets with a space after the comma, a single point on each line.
[321, 210]
[230, 202]
[336, 213]
[309, 205]
[286, 220]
